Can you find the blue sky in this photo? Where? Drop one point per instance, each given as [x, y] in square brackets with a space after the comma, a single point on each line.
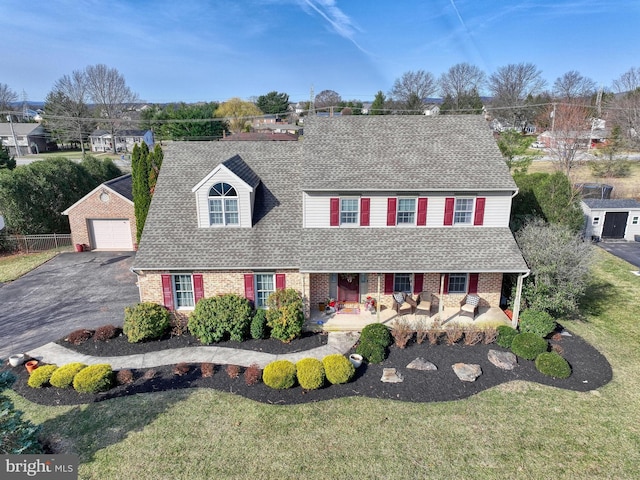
[211, 50]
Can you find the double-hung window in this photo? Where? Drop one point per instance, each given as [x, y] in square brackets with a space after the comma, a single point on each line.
[349, 211]
[223, 205]
[463, 212]
[183, 291]
[457, 283]
[265, 286]
[402, 282]
[406, 213]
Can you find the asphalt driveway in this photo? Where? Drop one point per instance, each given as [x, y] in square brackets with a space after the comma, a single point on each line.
[71, 291]
[629, 251]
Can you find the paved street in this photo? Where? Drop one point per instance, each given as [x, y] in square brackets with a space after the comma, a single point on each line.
[71, 291]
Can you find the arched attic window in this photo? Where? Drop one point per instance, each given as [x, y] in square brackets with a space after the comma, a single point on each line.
[223, 205]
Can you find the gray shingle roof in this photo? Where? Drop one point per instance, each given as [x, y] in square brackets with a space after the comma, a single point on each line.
[347, 159]
[413, 152]
[123, 185]
[242, 170]
[613, 203]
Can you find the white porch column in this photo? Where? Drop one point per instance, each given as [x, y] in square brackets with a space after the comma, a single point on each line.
[516, 303]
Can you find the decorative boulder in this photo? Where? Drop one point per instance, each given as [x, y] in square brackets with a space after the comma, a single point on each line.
[421, 364]
[467, 372]
[503, 360]
[391, 375]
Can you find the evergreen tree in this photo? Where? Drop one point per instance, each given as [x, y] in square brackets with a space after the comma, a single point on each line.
[141, 192]
[6, 161]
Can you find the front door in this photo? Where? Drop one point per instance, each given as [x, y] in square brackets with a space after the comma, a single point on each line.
[615, 224]
[348, 287]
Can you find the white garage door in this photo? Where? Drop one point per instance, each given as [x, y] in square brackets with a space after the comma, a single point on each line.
[111, 234]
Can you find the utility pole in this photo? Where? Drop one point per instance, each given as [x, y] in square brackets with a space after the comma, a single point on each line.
[13, 134]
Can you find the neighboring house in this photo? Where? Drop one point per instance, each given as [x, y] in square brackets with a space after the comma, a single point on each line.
[260, 137]
[364, 205]
[104, 219]
[431, 109]
[31, 138]
[611, 218]
[101, 141]
[280, 128]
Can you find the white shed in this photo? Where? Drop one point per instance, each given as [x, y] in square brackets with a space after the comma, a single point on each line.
[612, 218]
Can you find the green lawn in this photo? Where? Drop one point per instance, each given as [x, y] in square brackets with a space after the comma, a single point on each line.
[517, 430]
[14, 266]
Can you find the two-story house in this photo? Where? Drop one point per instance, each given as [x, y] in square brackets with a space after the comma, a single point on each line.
[363, 206]
[101, 141]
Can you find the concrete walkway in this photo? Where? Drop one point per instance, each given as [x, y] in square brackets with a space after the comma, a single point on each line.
[337, 342]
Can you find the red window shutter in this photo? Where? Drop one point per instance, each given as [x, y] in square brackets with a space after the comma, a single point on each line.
[478, 218]
[249, 291]
[446, 283]
[167, 291]
[473, 283]
[280, 281]
[334, 217]
[422, 212]
[391, 211]
[198, 287]
[418, 279]
[365, 209]
[388, 283]
[449, 205]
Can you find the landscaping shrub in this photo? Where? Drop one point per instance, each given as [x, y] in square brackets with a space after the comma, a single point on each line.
[124, 376]
[421, 331]
[401, 332]
[376, 333]
[180, 369]
[217, 318]
[149, 374]
[94, 378]
[540, 323]
[310, 373]
[259, 328]
[207, 369]
[104, 333]
[285, 316]
[279, 374]
[63, 376]
[40, 376]
[553, 365]
[338, 369]
[252, 374]
[372, 352]
[78, 337]
[17, 436]
[473, 336]
[453, 334]
[490, 335]
[434, 333]
[178, 321]
[505, 335]
[233, 371]
[145, 321]
[528, 345]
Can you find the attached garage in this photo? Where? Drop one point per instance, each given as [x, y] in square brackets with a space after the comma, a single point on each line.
[104, 219]
[611, 219]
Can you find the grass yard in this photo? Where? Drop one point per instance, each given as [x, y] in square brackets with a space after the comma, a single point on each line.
[517, 430]
[15, 265]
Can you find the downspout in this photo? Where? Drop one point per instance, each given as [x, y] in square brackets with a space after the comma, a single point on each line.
[516, 303]
[132, 270]
[441, 299]
[378, 302]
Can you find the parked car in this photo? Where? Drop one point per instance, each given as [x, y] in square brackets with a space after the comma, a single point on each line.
[537, 145]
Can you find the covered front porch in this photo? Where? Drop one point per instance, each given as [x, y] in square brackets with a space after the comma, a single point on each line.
[336, 321]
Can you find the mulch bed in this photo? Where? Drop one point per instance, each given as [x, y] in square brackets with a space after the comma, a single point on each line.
[590, 370]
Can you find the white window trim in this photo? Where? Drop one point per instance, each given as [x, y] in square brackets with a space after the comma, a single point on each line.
[415, 212]
[634, 220]
[357, 222]
[411, 280]
[595, 221]
[473, 211]
[255, 288]
[222, 198]
[466, 284]
[175, 292]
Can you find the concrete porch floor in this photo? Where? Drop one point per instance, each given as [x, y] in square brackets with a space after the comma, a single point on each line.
[339, 322]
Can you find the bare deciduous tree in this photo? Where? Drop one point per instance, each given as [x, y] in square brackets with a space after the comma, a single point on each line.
[412, 88]
[108, 89]
[460, 81]
[510, 86]
[326, 99]
[572, 85]
[570, 134]
[625, 105]
[7, 96]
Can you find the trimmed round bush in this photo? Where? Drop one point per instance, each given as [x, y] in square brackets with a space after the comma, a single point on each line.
[63, 376]
[553, 365]
[280, 374]
[540, 323]
[94, 378]
[310, 373]
[338, 369]
[40, 376]
[505, 336]
[372, 352]
[376, 333]
[528, 345]
[259, 329]
[145, 321]
[220, 317]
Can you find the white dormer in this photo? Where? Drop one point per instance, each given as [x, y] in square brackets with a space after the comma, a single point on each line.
[226, 196]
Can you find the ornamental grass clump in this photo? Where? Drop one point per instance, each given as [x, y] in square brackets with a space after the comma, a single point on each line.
[41, 376]
[401, 332]
[145, 321]
[94, 379]
[540, 323]
[285, 316]
[553, 365]
[338, 369]
[310, 373]
[224, 316]
[63, 376]
[506, 335]
[528, 345]
[279, 374]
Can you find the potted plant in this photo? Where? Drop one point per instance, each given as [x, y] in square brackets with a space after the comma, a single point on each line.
[331, 306]
[17, 359]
